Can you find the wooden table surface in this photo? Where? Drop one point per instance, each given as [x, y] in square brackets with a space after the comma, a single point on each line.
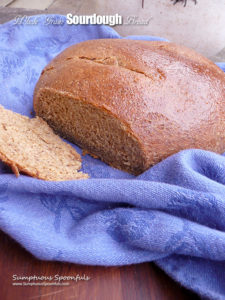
[134, 282]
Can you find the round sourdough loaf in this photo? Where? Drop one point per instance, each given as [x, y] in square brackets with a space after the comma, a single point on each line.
[133, 103]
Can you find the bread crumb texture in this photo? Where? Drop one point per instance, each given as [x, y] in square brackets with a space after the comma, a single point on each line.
[30, 146]
[133, 103]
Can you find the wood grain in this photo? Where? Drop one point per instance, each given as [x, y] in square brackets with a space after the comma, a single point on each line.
[4, 3]
[9, 13]
[134, 282]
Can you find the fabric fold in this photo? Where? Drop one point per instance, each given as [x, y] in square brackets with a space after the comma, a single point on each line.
[173, 214]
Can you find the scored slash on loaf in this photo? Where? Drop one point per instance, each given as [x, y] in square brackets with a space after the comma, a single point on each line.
[133, 103]
[30, 146]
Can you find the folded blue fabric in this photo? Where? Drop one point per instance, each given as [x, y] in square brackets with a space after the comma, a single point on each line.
[173, 214]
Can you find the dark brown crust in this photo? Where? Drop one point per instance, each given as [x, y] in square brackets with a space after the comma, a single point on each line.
[10, 163]
[17, 169]
[170, 97]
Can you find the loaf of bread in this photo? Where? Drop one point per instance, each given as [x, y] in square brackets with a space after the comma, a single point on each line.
[30, 146]
[133, 103]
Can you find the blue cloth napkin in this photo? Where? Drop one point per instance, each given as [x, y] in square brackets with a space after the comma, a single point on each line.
[173, 214]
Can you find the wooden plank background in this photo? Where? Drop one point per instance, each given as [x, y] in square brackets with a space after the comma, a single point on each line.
[134, 282]
[4, 3]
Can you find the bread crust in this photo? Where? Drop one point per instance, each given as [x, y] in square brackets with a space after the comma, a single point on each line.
[30, 146]
[169, 97]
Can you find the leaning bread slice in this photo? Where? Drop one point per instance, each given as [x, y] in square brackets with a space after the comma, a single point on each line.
[30, 146]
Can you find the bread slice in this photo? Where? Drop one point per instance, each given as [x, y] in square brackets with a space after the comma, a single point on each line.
[30, 146]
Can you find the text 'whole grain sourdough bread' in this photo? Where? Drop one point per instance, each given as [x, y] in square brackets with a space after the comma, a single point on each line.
[133, 103]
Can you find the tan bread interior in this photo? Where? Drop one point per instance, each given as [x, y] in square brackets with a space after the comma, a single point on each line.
[94, 130]
[31, 146]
